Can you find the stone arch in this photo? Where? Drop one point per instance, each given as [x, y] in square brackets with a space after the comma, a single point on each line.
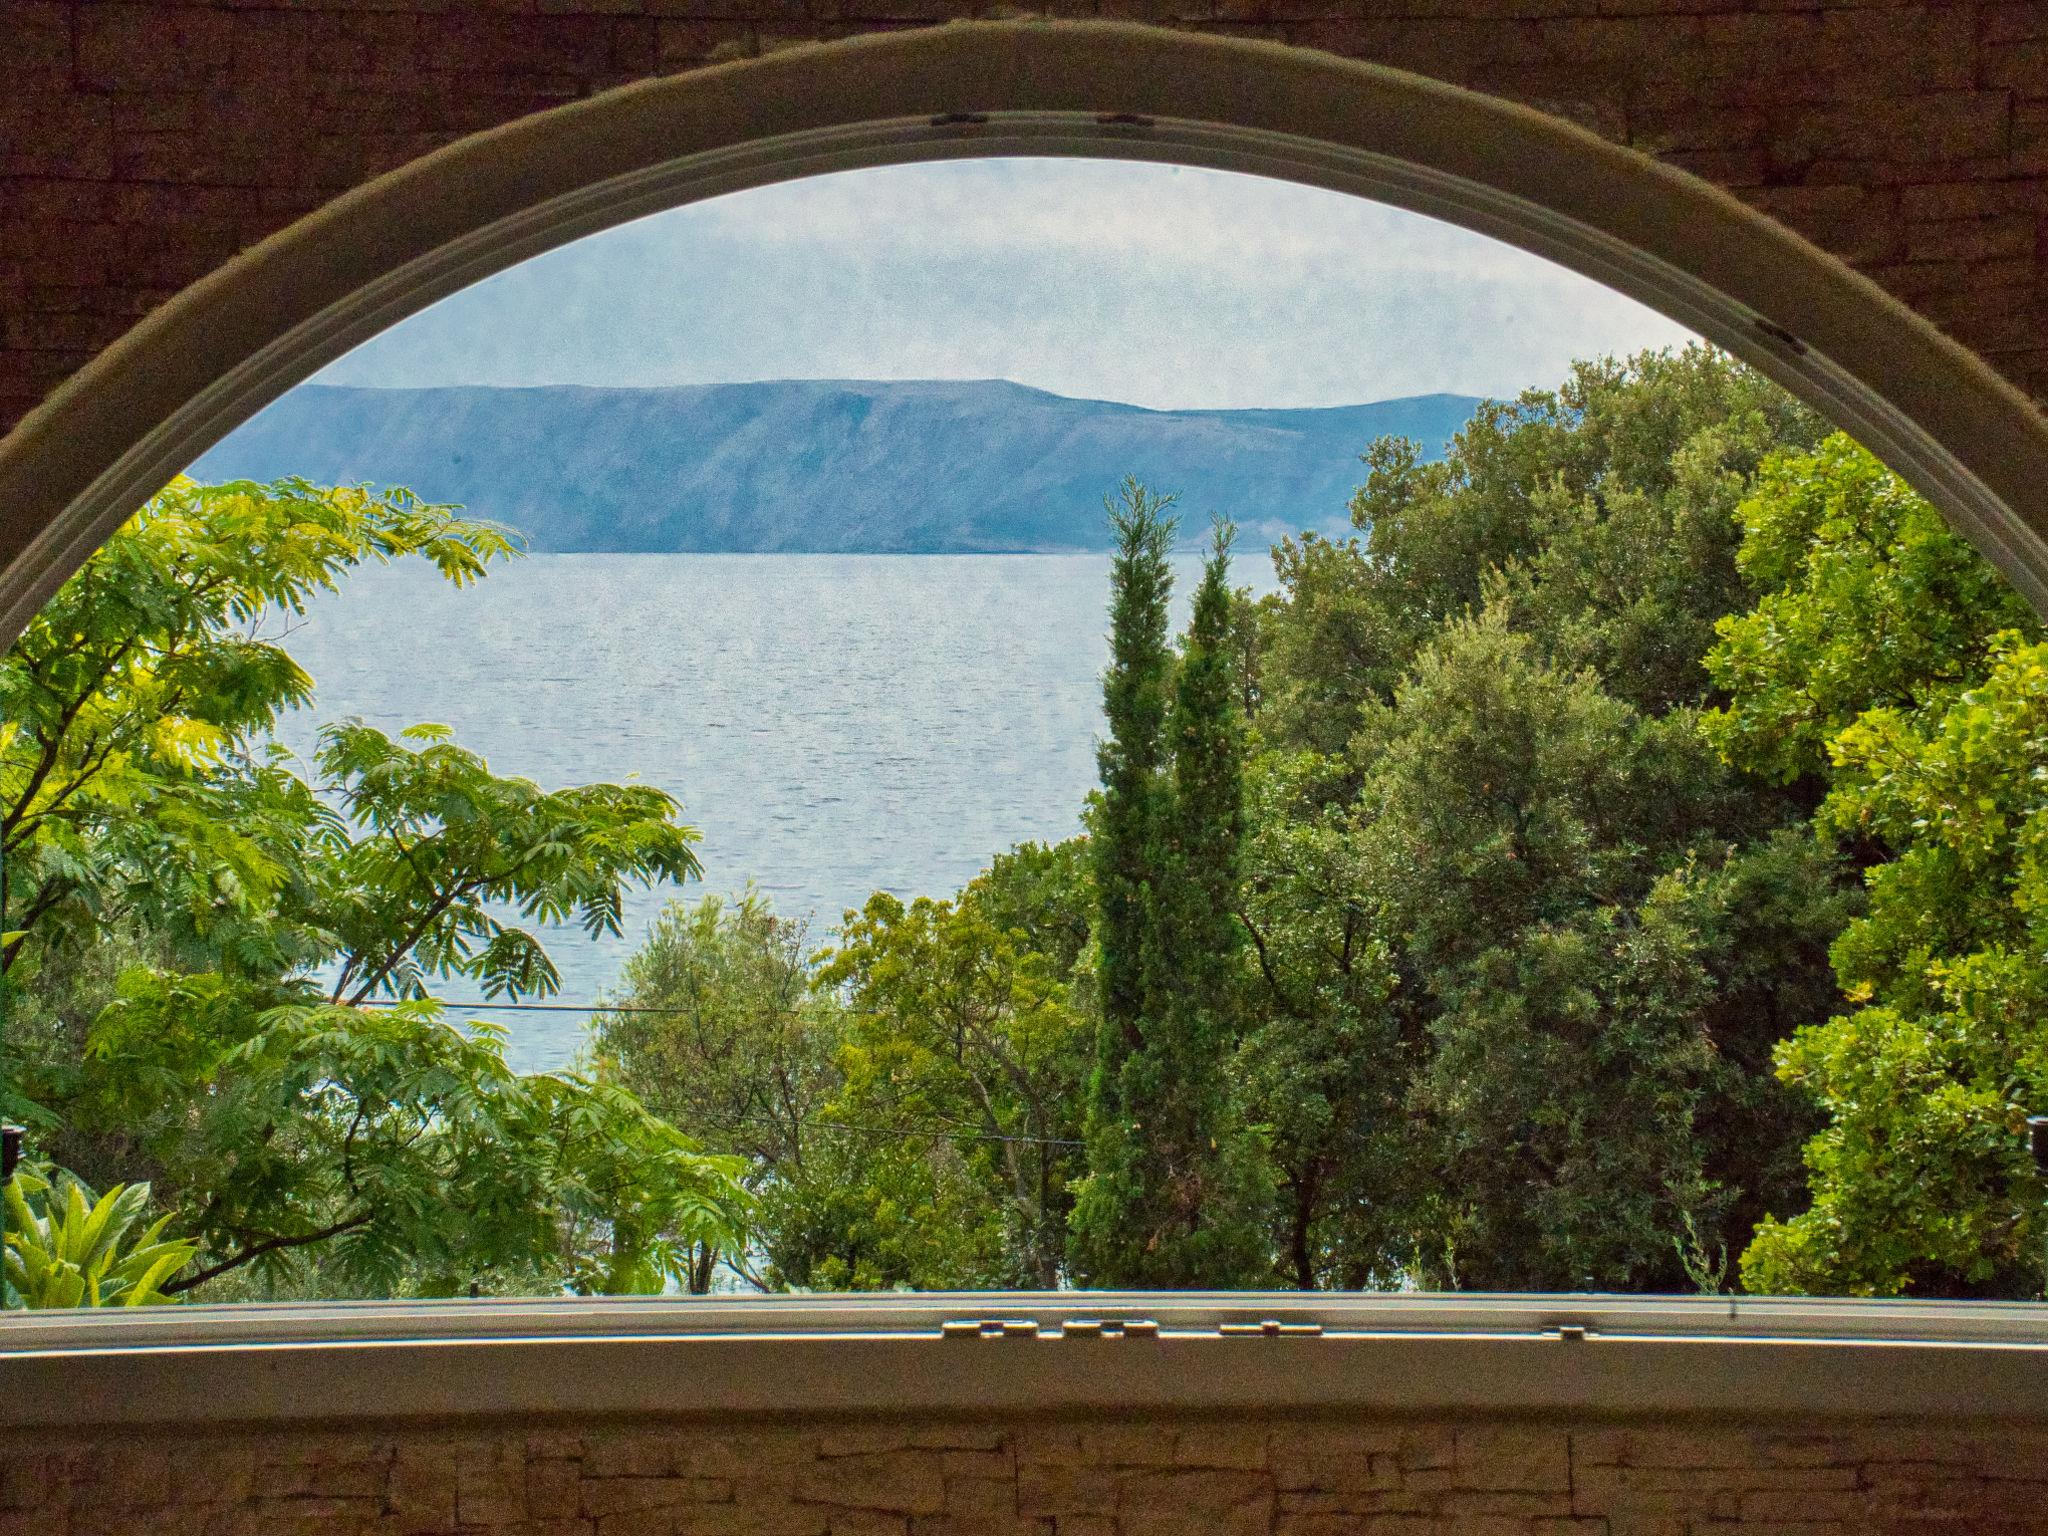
[223, 348]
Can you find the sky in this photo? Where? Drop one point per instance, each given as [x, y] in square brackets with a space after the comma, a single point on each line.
[1161, 286]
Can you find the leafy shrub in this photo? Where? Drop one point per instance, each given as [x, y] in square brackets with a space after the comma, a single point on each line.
[67, 1247]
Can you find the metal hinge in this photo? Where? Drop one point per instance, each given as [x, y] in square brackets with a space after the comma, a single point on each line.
[1027, 1328]
[1109, 1328]
[989, 1328]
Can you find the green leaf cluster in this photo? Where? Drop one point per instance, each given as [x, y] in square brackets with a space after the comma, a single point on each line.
[67, 1247]
[1523, 943]
[907, 1100]
[1623, 864]
[221, 963]
[1886, 658]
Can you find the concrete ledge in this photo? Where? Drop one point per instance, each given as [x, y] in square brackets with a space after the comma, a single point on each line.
[779, 1358]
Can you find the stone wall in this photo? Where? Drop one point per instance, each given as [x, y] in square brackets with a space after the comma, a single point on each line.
[142, 145]
[1283, 1478]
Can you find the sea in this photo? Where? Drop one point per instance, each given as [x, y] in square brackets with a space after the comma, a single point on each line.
[834, 725]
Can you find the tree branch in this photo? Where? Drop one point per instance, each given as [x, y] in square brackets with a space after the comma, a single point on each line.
[268, 1245]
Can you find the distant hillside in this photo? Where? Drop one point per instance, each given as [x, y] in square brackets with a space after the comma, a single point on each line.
[821, 465]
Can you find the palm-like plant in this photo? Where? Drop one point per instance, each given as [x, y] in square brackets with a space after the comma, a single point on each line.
[68, 1248]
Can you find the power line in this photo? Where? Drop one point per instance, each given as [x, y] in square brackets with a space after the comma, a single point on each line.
[905, 1133]
[908, 1133]
[558, 1007]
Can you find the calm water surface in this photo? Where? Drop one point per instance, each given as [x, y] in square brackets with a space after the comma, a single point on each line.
[835, 725]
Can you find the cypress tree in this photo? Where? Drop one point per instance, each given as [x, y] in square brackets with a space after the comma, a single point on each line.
[1210, 1188]
[1175, 1194]
[1124, 848]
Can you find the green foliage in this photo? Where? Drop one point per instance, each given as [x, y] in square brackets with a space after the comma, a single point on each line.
[442, 836]
[1507, 818]
[1867, 601]
[130, 786]
[1477, 911]
[953, 1024]
[945, 1157]
[1425, 937]
[718, 1026]
[1604, 505]
[1883, 642]
[1323, 1063]
[1124, 839]
[1519, 985]
[908, 1101]
[1125, 831]
[174, 887]
[1177, 1187]
[67, 1247]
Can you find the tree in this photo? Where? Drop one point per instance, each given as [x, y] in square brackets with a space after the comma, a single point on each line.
[240, 959]
[1504, 817]
[1492, 855]
[1885, 656]
[1324, 1066]
[407, 897]
[132, 785]
[1603, 506]
[961, 1036]
[908, 1102]
[1177, 1189]
[1864, 598]
[718, 1027]
[1124, 834]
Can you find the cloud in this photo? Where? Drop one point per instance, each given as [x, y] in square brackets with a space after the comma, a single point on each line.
[1159, 285]
[1168, 216]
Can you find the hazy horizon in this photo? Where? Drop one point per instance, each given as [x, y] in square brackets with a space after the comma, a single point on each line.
[1165, 287]
[848, 379]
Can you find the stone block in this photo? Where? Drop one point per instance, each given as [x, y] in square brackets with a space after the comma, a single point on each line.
[1660, 1448]
[1230, 1446]
[982, 1498]
[1787, 1505]
[768, 1514]
[1427, 1448]
[490, 1481]
[601, 1496]
[419, 1498]
[553, 1486]
[147, 47]
[1925, 128]
[1527, 1460]
[868, 1522]
[631, 1455]
[1335, 1460]
[2011, 235]
[867, 1440]
[1164, 1503]
[1065, 1490]
[907, 1482]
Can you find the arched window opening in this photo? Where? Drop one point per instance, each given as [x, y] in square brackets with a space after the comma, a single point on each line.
[624, 785]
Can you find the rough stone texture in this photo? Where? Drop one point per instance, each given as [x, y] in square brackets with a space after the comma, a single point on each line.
[1277, 1478]
[141, 145]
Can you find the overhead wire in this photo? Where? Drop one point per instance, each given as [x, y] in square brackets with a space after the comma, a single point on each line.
[906, 1133]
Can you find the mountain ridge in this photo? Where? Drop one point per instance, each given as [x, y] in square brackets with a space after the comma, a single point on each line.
[821, 465]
